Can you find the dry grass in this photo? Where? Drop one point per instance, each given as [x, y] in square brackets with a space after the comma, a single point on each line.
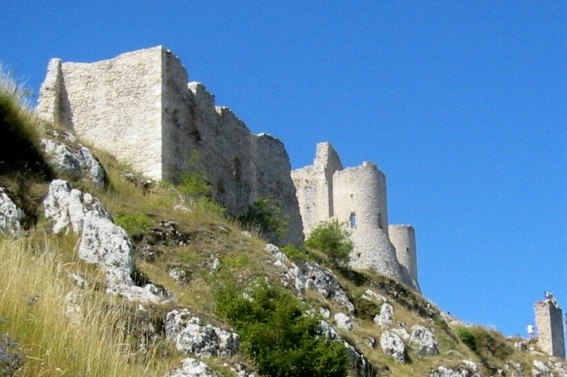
[33, 287]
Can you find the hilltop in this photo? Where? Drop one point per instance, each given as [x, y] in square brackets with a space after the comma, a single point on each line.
[109, 273]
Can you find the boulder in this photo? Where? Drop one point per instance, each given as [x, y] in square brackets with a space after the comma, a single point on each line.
[393, 346]
[67, 207]
[459, 371]
[10, 216]
[310, 275]
[386, 316]
[73, 161]
[423, 342]
[191, 367]
[190, 336]
[540, 369]
[344, 321]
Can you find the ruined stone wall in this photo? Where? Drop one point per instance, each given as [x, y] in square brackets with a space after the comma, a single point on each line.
[361, 192]
[549, 321]
[113, 104]
[140, 107]
[356, 197]
[403, 240]
[314, 187]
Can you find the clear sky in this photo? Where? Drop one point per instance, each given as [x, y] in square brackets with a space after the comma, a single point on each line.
[463, 105]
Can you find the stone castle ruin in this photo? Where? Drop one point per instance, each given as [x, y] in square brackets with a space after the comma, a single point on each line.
[140, 107]
[357, 196]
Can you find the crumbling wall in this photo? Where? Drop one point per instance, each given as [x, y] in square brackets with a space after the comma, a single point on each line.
[140, 108]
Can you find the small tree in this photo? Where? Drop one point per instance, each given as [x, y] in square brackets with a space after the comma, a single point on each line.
[332, 239]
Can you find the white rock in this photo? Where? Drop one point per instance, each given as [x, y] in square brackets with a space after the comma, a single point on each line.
[402, 332]
[312, 276]
[540, 369]
[325, 313]
[193, 368]
[192, 337]
[423, 342]
[77, 163]
[344, 321]
[386, 316]
[109, 246]
[393, 346]
[370, 295]
[67, 207]
[10, 217]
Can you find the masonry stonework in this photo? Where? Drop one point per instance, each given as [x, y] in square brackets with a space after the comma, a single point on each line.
[549, 321]
[357, 197]
[139, 107]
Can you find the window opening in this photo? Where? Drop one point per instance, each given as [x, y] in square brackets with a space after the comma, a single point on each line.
[352, 220]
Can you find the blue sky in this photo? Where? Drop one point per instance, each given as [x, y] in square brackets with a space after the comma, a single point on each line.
[463, 104]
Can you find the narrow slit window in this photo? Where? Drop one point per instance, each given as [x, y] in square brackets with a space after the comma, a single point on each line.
[380, 220]
[352, 220]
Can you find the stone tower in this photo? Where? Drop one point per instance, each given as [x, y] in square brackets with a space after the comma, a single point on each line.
[549, 321]
[356, 196]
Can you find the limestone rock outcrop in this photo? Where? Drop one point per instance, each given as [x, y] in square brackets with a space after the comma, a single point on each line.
[460, 371]
[191, 367]
[385, 318]
[423, 342]
[393, 346]
[10, 216]
[73, 159]
[190, 336]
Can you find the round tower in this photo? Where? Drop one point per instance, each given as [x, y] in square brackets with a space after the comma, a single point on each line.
[360, 202]
[403, 239]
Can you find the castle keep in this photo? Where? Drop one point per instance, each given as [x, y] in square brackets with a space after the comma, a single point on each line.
[549, 321]
[357, 197]
[140, 107]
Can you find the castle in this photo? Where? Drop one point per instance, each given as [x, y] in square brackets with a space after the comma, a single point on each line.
[549, 321]
[140, 107]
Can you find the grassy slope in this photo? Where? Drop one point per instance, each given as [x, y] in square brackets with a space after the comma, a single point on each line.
[35, 279]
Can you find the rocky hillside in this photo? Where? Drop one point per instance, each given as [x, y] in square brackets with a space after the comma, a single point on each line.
[105, 273]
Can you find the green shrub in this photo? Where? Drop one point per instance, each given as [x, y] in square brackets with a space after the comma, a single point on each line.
[332, 239]
[297, 254]
[194, 182]
[277, 334]
[133, 222]
[485, 343]
[265, 216]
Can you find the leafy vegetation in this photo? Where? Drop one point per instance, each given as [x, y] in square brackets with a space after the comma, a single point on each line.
[265, 217]
[332, 239]
[277, 334]
[193, 183]
[133, 222]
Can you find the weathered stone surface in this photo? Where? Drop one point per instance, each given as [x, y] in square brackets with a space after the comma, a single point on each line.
[540, 369]
[393, 346]
[108, 245]
[386, 316]
[67, 207]
[423, 342]
[370, 295]
[358, 361]
[460, 371]
[310, 275]
[75, 161]
[192, 337]
[344, 321]
[10, 216]
[142, 102]
[191, 367]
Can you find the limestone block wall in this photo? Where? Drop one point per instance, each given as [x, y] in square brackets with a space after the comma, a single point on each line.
[314, 187]
[140, 107]
[113, 104]
[360, 193]
[403, 240]
[357, 198]
[549, 321]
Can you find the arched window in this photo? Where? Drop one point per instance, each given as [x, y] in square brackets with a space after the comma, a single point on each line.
[352, 220]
